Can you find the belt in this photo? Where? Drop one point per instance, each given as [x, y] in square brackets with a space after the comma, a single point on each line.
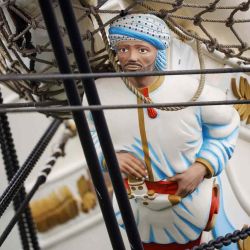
[160, 187]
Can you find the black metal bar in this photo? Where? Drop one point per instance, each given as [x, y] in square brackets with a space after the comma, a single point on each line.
[21, 209]
[82, 127]
[20, 176]
[58, 152]
[81, 76]
[125, 106]
[101, 126]
[40, 181]
[33, 104]
[11, 165]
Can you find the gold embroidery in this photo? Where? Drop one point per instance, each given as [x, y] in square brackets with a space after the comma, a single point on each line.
[145, 148]
[242, 93]
[210, 170]
[151, 192]
[174, 199]
[88, 198]
[57, 208]
[144, 142]
[155, 85]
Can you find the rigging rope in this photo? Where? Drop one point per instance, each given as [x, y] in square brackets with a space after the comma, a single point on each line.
[25, 223]
[20, 176]
[57, 151]
[13, 53]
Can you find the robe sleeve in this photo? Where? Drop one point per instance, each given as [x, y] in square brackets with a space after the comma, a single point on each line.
[96, 141]
[220, 128]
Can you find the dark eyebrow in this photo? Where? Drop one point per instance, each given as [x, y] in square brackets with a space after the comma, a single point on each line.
[122, 46]
[142, 46]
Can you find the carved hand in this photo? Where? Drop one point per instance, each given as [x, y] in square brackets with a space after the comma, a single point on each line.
[189, 180]
[130, 165]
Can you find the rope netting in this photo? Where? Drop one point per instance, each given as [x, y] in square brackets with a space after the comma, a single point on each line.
[25, 46]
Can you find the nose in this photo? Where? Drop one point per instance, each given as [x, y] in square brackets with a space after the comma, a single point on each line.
[133, 55]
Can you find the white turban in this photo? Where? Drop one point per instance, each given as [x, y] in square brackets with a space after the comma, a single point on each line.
[144, 27]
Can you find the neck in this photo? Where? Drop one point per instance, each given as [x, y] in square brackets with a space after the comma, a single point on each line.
[142, 82]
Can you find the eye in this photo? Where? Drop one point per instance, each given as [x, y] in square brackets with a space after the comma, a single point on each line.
[122, 50]
[143, 50]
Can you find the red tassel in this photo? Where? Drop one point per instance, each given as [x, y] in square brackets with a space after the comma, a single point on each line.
[152, 113]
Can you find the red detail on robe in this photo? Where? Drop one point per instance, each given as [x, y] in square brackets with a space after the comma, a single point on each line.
[172, 246]
[170, 187]
[215, 204]
[160, 187]
[152, 113]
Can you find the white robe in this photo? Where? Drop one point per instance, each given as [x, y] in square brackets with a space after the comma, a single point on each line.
[175, 139]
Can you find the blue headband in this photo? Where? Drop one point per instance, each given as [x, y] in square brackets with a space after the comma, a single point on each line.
[143, 27]
[138, 35]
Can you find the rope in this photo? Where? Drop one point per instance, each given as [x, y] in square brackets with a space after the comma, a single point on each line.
[225, 241]
[20, 176]
[211, 44]
[132, 88]
[200, 57]
[58, 151]
[25, 223]
[13, 56]
[10, 162]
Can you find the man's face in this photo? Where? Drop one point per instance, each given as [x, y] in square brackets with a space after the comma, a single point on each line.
[136, 55]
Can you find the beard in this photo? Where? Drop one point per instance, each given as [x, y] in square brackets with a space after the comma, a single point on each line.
[130, 67]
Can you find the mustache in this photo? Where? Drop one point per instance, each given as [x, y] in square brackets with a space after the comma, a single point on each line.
[133, 64]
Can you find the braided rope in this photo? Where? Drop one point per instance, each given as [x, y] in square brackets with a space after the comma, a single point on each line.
[157, 12]
[225, 241]
[57, 151]
[131, 87]
[34, 22]
[20, 176]
[200, 6]
[25, 223]
[16, 47]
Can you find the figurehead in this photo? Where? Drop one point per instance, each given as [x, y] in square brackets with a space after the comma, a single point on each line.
[145, 27]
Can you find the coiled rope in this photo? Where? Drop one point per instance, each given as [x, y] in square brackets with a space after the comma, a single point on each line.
[130, 86]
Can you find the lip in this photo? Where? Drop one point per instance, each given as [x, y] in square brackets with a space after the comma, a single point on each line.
[132, 67]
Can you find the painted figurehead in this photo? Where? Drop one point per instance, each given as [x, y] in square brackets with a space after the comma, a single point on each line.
[141, 42]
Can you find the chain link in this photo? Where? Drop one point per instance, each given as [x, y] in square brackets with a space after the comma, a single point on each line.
[225, 241]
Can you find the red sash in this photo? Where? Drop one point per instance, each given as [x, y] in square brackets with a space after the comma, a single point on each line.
[160, 187]
[170, 187]
[172, 246]
[214, 209]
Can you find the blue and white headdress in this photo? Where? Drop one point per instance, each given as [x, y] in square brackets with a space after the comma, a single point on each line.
[145, 27]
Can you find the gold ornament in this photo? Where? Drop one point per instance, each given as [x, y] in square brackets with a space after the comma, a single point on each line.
[57, 208]
[244, 244]
[88, 202]
[88, 198]
[243, 93]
